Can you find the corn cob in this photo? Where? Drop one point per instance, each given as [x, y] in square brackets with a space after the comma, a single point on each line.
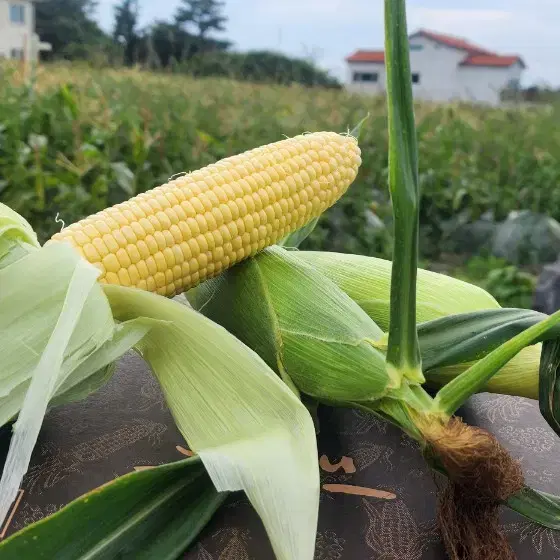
[173, 237]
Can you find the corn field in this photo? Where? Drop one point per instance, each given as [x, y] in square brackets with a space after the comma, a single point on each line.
[74, 140]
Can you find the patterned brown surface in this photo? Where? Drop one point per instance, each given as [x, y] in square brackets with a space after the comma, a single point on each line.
[126, 425]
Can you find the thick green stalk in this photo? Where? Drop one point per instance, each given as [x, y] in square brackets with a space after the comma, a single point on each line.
[403, 354]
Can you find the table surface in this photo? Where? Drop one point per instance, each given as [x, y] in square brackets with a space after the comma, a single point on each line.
[126, 424]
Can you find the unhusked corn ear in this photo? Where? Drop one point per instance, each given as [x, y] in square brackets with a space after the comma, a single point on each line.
[302, 325]
[169, 239]
[367, 280]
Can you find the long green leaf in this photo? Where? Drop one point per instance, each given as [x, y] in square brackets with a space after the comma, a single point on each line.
[154, 513]
[456, 392]
[549, 384]
[540, 507]
[471, 336]
[403, 353]
[251, 432]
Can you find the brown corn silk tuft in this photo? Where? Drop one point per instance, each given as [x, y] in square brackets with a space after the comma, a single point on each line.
[482, 474]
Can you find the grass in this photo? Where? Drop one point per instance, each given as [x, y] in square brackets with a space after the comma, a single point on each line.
[74, 140]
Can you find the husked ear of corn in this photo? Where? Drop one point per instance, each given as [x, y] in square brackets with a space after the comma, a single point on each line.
[169, 239]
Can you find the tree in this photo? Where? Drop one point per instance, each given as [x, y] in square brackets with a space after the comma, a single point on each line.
[68, 25]
[125, 30]
[260, 66]
[170, 44]
[202, 15]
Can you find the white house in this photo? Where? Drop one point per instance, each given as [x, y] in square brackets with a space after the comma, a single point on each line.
[18, 39]
[443, 68]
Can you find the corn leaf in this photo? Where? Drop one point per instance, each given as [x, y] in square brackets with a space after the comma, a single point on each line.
[43, 382]
[251, 432]
[403, 354]
[549, 384]
[14, 227]
[357, 130]
[367, 280]
[471, 336]
[305, 328]
[17, 237]
[540, 507]
[154, 513]
[457, 391]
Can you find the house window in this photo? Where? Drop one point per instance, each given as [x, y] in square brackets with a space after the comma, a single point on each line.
[415, 78]
[17, 13]
[370, 77]
[416, 47]
[16, 54]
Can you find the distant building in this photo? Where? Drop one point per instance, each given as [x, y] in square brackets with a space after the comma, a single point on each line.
[18, 39]
[443, 68]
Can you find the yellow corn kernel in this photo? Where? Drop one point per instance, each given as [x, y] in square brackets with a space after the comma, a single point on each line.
[179, 234]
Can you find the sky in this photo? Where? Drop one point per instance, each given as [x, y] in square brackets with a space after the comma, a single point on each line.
[329, 30]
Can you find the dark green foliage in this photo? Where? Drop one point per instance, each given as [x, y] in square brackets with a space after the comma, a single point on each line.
[154, 513]
[201, 16]
[259, 66]
[173, 45]
[183, 45]
[125, 31]
[511, 286]
[69, 26]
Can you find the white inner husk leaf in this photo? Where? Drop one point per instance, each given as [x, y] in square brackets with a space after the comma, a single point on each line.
[250, 430]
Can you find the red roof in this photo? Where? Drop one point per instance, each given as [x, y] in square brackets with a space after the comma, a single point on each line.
[491, 60]
[476, 56]
[454, 42]
[367, 56]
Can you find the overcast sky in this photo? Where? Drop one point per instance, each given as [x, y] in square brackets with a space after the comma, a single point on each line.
[329, 30]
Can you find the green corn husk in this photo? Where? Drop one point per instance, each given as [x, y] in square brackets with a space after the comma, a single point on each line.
[255, 302]
[61, 333]
[367, 280]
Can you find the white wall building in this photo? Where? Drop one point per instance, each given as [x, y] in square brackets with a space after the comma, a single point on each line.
[17, 30]
[443, 68]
